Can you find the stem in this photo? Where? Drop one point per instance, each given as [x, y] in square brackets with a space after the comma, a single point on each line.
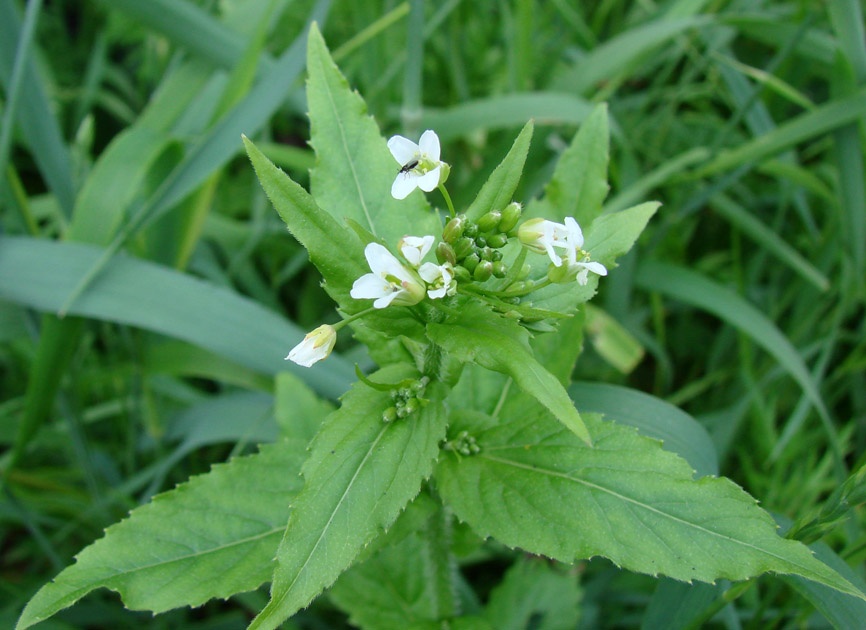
[726, 598]
[442, 567]
[352, 318]
[447, 200]
[516, 266]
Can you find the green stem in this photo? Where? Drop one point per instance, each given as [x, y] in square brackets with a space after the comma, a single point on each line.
[726, 598]
[514, 271]
[352, 318]
[447, 200]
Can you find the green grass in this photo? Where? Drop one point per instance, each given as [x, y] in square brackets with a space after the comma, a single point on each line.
[126, 203]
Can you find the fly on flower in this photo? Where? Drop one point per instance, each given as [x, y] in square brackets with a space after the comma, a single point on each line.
[419, 164]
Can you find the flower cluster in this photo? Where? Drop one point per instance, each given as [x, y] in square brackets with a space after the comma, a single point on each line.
[469, 253]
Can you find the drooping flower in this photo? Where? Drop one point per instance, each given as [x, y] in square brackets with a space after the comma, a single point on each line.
[414, 248]
[316, 346]
[440, 279]
[419, 163]
[389, 281]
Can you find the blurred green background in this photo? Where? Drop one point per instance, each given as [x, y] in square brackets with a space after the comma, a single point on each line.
[120, 150]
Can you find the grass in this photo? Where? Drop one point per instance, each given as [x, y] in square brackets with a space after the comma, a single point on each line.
[121, 126]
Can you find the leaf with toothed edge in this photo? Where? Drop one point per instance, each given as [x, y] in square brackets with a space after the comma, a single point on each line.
[360, 475]
[212, 536]
[534, 485]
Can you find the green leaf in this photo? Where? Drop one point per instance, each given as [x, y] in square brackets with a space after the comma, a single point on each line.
[579, 183]
[361, 473]
[502, 345]
[354, 168]
[535, 486]
[535, 594]
[500, 186]
[213, 536]
[297, 409]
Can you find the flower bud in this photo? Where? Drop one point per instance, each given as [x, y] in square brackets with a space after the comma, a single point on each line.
[497, 240]
[462, 274]
[471, 230]
[444, 172]
[532, 234]
[496, 256]
[412, 405]
[463, 247]
[561, 274]
[480, 241]
[316, 346]
[454, 229]
[489, 221]
[486, 253]
[445, 253]
[483, 271]
[471, 262]
[500, 270]
[390, 414]
[510, 216]
[524, 271]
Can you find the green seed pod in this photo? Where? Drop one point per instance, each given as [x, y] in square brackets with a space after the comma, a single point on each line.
[471, 230]
[471, 262]
[454, 229]
[445, 253]
[412, 405]
[489, 221]
[499, 269]
[483, 271]
[462, 274]
[390, 414]
[463, 247]
[497, 240]
[510, 216]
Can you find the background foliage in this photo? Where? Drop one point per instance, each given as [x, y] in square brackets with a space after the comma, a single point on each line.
[742, 303]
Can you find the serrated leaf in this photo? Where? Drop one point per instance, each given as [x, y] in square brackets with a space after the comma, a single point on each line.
[212, 536]
[608, 237]
[579, 183]
[500, 186]
[534, 594]
[361, 473]
[535, 486]
[354, 168]
[334, 250]
[502, 345]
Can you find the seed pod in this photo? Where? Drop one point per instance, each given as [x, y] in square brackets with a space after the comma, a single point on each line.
[445, 253]
[497, 240]
[463, 247]
[489, 221]
[499, 269]
[471, 262]
[454, 229]
[483, 271]
[510, 216]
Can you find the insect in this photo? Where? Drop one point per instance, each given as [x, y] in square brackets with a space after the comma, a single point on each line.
[408, 167]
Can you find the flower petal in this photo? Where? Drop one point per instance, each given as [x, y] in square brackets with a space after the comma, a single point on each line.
[386, 299]
[437, 293]
[403, 184]
[575, 234]
[403, 149]
[369, 286]
[429, 145]
[429, 181]
[429, 271]
[596, 267]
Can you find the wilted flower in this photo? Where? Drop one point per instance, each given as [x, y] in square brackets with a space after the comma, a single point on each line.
[414, 248]
[316, 346]
[440, 278]
[419, 164]
[389, 283]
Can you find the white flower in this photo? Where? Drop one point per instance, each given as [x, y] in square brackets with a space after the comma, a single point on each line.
[316, 346]
[541, 236]
[440, 278]
[389, 283]
[419, 164]
[414, 248]
[582, 267]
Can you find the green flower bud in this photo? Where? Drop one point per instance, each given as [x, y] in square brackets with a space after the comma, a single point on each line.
[480, 241]
[486, 253]
[471, 230]
[412, 405]
[483, 271]
[463, 247]
[462, 274]
[390, 414]
[499, 269]
[497, 255]
[471, 262]
[524, 271]
[489, 221]
[445, 253]
[454, 229]
[497, 240]
[510, 216]
[444, 172]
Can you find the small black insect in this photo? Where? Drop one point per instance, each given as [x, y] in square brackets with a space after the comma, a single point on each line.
[408, 166]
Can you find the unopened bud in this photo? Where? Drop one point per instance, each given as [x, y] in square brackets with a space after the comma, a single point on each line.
[496, 256]
[390, 414]
[510, 216]
[412, 405]
[486, 253]
[445, 253]
[483, 271]
[499, 269]
[471, 262]
[463, 247]
[497, 240]
[489, 221]
[524, 271]
[471, 230]
[480, 241]
[454, 229]
[462, 274]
